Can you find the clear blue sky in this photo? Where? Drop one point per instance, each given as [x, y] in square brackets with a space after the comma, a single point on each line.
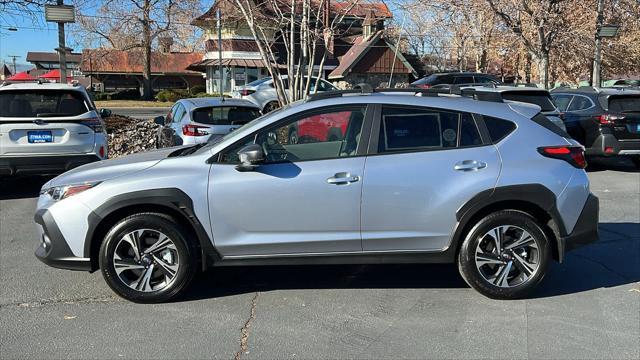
[29, 37]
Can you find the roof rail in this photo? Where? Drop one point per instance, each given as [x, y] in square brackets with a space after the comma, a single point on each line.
[474, 93]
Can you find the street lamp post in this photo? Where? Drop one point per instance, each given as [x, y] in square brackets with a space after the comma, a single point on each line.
[61, 14]
[602, 31]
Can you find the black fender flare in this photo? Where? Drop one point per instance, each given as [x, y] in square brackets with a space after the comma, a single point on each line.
[172, 198]
[535, 194]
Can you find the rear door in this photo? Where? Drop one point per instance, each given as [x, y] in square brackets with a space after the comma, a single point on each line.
[46, 121]
[626, 109]
[426, 164]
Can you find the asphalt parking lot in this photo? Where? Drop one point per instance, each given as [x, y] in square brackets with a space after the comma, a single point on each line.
[588, 307]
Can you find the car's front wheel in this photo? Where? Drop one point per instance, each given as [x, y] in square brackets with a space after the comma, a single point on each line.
[147, 258]
[505, 255]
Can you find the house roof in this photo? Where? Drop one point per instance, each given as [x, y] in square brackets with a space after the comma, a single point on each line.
[360, 48]
[250, 63]
[230, 11]
[120, 61]
[52, 57]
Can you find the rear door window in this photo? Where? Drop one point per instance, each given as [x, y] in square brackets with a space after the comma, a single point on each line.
[42, 103]
[540, 98]
[498, 128]
[562, 101]
[225, 115]
[414, 129]
[580, 102]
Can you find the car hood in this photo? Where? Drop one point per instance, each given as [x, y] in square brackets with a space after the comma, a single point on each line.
[109, 169]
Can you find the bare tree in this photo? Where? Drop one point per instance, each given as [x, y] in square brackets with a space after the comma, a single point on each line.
[137, 24]
[537, 23]
[305, 30]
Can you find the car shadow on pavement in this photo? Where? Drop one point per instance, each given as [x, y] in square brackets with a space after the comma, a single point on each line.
[612, 261]
[21, 187]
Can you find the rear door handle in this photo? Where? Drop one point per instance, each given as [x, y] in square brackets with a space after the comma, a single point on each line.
[470, 165]
[343, 178]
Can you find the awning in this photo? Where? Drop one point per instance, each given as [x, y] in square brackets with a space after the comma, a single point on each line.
[53, 75]
[22, 76]
[250, 63]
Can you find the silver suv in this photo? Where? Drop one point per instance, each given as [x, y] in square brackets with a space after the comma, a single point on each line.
[48, 129]
[411, 179]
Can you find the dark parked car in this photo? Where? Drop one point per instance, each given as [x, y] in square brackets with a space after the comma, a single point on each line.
[605, 120]
[454, 78]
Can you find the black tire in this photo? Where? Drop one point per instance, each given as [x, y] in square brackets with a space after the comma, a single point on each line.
[186, 253]
[472, 273]
[636, 161]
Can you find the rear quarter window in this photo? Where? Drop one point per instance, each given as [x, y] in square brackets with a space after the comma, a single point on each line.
[498, 128]
[547, 124]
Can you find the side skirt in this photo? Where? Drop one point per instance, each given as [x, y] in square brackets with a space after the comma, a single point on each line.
[406, 257]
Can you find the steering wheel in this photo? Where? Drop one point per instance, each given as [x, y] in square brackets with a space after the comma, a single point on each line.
[273, 151]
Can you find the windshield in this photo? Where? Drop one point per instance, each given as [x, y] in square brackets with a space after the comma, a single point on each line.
[624, 104]
[42, 103]
[540, 98]
[225, 115]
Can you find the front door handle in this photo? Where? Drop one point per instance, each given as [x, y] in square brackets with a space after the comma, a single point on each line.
[470, 165]
[343, 178]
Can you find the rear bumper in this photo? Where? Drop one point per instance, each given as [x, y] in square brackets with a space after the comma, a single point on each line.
[585, 231]
[53, 249]
[617, 147]
[43, 165]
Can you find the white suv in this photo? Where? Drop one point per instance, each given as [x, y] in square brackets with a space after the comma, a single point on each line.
[48, 128]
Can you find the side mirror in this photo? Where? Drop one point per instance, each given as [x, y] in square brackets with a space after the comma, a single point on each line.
[251, 156]
[105, 113]
[159, 120]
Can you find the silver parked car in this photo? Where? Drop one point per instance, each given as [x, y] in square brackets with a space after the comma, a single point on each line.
[263, 93]
[48, 129]
[198, 120]
[490, 186]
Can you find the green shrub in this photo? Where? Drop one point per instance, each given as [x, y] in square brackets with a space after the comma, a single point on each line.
[172, 95]
[195, 90]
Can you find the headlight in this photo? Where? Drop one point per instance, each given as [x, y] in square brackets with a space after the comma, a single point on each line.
[62, 192]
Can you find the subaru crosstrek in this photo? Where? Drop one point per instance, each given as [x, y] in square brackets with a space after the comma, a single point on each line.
[48, 128]
[493, 187]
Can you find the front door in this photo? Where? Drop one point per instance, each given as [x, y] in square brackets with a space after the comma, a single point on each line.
[305, 198]
[428, 164]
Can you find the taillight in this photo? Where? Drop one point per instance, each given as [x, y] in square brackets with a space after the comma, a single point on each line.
[194, 130]
[574, 155]
[424, 86]
[94, 123]
[246, 92]
[606, 119]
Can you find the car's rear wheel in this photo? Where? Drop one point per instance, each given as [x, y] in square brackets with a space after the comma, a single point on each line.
[636, 161]
[147, 258]
[505, 255]
[272, 106]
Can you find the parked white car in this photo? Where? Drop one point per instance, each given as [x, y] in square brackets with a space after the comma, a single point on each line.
[198, 120]
[48, 129]
[263, 93]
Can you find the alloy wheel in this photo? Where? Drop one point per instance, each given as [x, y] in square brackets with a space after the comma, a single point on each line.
[146, 260]
[507, 256]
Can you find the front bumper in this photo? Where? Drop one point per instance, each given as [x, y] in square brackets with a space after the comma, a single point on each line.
[585, 231]
[617, 147]
[53, 249]
[43, 165]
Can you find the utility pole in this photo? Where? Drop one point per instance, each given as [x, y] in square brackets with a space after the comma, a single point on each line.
[13, 60]
[597, 60]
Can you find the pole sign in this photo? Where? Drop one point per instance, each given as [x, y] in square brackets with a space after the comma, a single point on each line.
[60, 13]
